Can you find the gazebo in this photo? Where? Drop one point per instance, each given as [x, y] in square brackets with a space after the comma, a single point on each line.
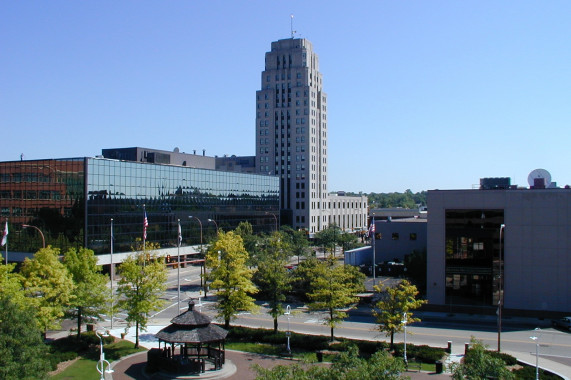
[200, 342]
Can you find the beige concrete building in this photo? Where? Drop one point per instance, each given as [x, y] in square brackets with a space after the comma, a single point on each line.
[291, 135]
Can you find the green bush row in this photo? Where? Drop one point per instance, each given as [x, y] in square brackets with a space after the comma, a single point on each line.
[506, 358]
[57, 357]
[245, 334]
[71, 343]
[424, 353]
[529, 373]
[70, 347]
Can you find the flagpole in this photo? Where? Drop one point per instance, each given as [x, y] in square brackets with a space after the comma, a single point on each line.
[178, 266]
[145, 222]
[5, 239]
[374, 250]
[112, 275]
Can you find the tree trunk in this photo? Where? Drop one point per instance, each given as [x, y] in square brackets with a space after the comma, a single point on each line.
[78, 322]
[275, 325]
[331, 310]
[136, 334]
[226, 323]
[392, 339]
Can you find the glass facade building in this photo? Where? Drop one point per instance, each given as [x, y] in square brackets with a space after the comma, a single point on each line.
[73, 201]
[473, 263]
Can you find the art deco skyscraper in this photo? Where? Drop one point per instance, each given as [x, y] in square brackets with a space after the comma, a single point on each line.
[291, 132]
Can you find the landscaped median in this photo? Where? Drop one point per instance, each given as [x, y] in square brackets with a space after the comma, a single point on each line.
[77, 359]
[304, 348]
[310, 348]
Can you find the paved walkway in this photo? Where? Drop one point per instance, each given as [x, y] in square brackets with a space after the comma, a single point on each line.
[240, 364]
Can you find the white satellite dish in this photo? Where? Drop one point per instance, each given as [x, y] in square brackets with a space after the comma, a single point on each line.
[537, 174]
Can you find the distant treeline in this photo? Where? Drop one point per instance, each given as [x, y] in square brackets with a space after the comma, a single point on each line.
[408, 199]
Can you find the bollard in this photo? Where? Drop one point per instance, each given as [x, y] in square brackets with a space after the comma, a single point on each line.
[466, 348]
[449, 350]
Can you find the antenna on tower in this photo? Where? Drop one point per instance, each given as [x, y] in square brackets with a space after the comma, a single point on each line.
[291, 26]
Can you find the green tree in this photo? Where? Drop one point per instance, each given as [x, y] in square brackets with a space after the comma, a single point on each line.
[329, 237]
[334, 288]
[11, 284]
[230, 276]
[143, 281]
[251, 241]
[303, 276]
[91, 294]
[348, 241]
[22, 350]
[478, 363]
[394, 303]
[298, 244]
[48, 287]
[272, 277]
[405, 200]
[347, 366]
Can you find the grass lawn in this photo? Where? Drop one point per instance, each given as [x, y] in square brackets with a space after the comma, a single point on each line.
[85, 369]
[270, 349]
[81, 369]
[256, 348]
[413, 366]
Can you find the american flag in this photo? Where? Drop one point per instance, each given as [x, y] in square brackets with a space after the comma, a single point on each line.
[372, 228]
[145, 225]
[5, 236]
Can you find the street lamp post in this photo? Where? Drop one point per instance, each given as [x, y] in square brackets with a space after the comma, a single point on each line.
[201, 254]
[179, 241]
[101, 363]
[404, 321]
[500, 287]
[111, 273]
[216, 224]
[275, 218]
[40, 231]
[288, 333]
[535, 338]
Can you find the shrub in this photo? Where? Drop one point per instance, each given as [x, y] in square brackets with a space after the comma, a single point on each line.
[528, 372]
[425, 354]
[508, 359]
[245, 334]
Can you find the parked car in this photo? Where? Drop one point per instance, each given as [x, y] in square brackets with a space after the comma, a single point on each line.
[564, 322]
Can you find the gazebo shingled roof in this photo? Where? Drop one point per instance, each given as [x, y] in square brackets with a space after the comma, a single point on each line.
[191, 327]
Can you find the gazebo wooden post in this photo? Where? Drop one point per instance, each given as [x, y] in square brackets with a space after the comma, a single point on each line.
[193, 330]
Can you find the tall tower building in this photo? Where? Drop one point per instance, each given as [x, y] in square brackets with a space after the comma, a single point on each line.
[291, 141]
[291, 131]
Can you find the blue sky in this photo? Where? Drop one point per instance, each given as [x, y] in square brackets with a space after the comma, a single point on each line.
[421, 94]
